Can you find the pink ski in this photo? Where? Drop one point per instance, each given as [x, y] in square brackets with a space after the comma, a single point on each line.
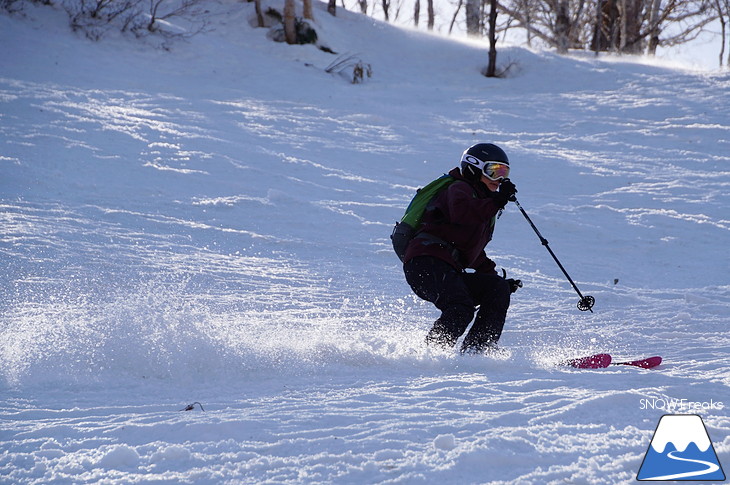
[600, 361]
[648, 363]
[597, 361]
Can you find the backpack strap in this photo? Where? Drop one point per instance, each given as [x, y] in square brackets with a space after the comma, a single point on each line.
[428, 238]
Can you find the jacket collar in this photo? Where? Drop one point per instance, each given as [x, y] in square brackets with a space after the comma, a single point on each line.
[480, 189]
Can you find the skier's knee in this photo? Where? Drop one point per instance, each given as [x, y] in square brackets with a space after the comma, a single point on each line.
[452, 324]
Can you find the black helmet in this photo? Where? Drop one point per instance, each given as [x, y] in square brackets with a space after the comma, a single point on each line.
[476, 157]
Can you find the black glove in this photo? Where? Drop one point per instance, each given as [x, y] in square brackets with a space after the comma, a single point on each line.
[514, 284]
[507, 191]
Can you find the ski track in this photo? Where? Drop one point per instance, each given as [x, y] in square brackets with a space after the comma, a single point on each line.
[168, 243]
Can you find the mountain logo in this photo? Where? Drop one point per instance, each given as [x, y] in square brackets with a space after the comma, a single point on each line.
[681, 450]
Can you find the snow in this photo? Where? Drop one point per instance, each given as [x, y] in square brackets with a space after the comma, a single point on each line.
[210, 224]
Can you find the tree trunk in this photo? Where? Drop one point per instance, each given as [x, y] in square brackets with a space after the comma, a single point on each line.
[456, 14]
[307, 12]
[722, 47]
[596, 43]
[630, 37]
[614, 26]
[332, 7]
[431, 14]
[290, 25]
[654, 29]
[472, 18]
[723, 29]
[528, 22]
[606, 32]
[416, 12]
[562, 27]
[259, 14]
[492, 66]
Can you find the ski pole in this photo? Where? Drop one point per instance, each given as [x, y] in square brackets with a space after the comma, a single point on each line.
[586, 302]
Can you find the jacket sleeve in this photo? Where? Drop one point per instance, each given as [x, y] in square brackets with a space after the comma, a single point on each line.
[485, 265]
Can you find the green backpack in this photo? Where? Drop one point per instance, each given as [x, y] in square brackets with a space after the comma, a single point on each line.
[404, 230]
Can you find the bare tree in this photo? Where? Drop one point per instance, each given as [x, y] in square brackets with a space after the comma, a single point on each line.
[431, 14]
[259, 14]
[561, 30]
[474, 18]
[526, 7]
[160, 10]
[143, 18]
[562, 24]
[630, 13]
[723, 10]
[625, 26]
[307, 9]
[654, 30]
[290, 22]
[492, 65]
[456, 14]
[687, 18]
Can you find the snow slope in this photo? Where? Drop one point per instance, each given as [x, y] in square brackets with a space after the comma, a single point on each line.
[210, 224]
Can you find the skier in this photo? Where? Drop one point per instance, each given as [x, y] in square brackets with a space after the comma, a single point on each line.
[455, 229]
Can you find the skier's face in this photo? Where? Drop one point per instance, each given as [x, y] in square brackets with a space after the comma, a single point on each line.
[492, 185]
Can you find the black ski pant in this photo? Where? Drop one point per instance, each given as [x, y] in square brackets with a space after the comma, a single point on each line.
[457, 294]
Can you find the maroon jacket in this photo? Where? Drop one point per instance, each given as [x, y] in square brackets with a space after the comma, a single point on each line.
[460, 218]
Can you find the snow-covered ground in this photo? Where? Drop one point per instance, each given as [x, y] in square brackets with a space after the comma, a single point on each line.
[210, 224]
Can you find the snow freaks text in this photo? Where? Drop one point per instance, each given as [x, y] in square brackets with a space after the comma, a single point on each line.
[680, 405]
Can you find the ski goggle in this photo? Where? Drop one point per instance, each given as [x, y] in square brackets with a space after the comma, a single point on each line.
[491, 169]
[495, 170]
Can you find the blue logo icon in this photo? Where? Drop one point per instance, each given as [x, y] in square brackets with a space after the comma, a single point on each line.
[681, 450]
